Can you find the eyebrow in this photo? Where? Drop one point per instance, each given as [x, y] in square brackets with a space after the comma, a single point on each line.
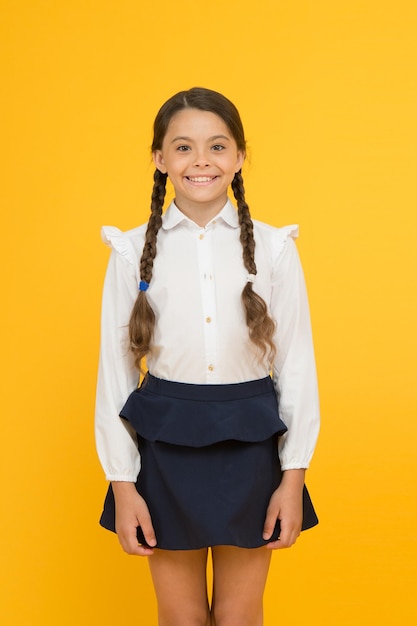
[214, 138]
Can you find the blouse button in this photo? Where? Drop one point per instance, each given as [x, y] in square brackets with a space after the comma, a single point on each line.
[210, 368]
[201, 236]
[208, 320]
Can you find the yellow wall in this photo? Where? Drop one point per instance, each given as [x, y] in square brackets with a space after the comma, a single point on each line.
[327, 90]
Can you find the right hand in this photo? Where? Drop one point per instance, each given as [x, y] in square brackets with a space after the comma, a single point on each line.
[131, 512]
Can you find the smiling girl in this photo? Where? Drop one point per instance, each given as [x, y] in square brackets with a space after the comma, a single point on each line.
[210, 452]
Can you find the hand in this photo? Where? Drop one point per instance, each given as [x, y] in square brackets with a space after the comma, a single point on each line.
[131, 512]
[286, 505]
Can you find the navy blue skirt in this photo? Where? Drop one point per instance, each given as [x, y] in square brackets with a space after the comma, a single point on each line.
[209, 462]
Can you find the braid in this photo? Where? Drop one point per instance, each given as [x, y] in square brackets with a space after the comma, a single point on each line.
[261, 326]
[154, 224]
[246, 225]
[142, 319]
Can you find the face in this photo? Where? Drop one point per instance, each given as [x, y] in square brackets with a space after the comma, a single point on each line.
[200, 156]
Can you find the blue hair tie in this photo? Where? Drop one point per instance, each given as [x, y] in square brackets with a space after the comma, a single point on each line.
[143, 285]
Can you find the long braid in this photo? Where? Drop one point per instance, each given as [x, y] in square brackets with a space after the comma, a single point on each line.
[142, 319]
[261, 326]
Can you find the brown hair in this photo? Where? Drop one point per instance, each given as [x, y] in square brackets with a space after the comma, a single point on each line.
[142, 321]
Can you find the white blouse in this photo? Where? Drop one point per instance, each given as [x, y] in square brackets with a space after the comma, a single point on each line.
[201, 335]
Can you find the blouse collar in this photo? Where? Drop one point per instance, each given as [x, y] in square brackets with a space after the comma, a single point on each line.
[173, 216]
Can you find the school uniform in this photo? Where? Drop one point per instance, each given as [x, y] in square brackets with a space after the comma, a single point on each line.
[207, 435]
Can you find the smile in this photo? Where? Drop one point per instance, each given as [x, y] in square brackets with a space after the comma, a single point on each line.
[201, 179]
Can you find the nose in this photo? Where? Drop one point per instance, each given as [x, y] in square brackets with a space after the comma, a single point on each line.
[202, 159]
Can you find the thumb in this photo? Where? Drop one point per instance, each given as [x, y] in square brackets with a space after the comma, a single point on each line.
[147, 529]
[270, 522]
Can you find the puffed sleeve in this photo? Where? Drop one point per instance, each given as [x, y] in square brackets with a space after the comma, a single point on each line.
[117, 376]
[294, 370]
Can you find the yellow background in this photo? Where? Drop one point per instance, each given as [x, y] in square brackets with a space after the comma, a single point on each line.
[328, 94]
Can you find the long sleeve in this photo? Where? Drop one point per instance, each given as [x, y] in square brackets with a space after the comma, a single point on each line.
[294, 370]
[117, 376]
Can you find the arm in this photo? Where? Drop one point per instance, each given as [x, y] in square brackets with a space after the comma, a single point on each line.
[117, 378]
[295, 381]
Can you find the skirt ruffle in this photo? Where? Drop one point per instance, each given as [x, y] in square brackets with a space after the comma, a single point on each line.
[200, 415]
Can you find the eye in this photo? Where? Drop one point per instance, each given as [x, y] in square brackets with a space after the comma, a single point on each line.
[183, 148]
[217, 147]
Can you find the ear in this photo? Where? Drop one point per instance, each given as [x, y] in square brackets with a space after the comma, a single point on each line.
[240, 160]
[159, 161]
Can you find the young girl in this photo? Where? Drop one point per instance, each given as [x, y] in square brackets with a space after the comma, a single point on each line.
[210, 451]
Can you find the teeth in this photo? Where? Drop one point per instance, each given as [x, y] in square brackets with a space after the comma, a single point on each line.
[201, 179]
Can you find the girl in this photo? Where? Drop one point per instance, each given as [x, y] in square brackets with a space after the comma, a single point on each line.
[210, 451]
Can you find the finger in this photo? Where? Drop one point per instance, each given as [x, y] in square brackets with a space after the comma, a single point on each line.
[287, 538]
[281, 542]
[131, 546]
[138, 550]
[129, 542]
[274, 545]
[144, 550]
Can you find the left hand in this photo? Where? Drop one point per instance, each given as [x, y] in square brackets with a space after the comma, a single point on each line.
[286, 505]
